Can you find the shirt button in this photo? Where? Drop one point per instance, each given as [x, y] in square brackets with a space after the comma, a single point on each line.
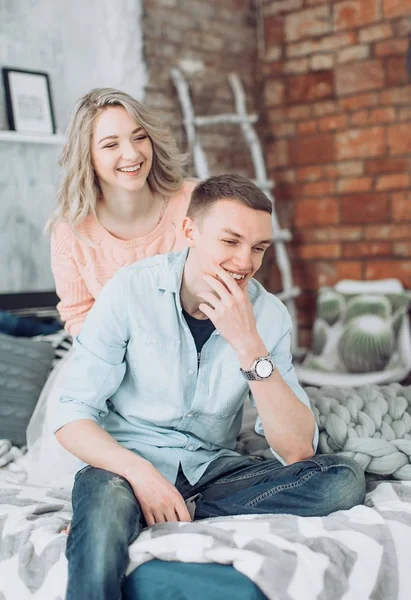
[191, 371]
[190, 447]
[189, 415]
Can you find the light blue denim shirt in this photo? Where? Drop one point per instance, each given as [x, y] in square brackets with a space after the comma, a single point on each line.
[135, 370]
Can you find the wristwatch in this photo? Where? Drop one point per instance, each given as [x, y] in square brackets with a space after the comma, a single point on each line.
[262, 368]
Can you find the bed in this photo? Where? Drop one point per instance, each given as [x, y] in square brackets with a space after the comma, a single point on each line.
[361, 553]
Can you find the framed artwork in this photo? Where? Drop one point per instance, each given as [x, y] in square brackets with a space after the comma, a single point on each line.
[28, 101]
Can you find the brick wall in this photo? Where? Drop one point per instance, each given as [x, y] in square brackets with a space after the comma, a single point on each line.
[338, 116]
[208, 40]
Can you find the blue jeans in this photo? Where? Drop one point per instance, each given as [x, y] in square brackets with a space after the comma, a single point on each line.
[107, 517]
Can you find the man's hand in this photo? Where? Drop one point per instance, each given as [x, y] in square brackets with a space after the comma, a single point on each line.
[230, 310]
[159, 500]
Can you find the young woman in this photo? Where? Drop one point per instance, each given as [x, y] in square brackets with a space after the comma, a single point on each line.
[122, 197]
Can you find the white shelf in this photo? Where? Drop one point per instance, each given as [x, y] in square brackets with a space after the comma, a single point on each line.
[32, 138]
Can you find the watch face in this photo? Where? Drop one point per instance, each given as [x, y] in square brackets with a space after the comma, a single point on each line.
[264, 368]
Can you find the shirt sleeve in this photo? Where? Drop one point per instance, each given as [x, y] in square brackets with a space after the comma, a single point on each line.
[281, 355]
[98, 365]
[75, 297]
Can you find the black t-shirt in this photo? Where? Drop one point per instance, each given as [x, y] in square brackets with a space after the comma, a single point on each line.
[201, 329]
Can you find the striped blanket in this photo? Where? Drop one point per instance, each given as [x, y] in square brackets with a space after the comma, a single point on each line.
[357, 554]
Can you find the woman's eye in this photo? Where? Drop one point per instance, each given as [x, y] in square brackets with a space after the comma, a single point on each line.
[140, 138]
[110, 146]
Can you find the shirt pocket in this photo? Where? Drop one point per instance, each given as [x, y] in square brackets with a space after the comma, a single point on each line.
[152, 359]
[229, 389]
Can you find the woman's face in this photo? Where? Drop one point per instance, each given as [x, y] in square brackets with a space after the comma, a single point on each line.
[121, 151]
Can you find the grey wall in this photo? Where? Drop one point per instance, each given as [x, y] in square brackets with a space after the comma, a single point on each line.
[81, 44]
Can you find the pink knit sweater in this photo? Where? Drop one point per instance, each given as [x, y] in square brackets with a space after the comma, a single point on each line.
[80, 270]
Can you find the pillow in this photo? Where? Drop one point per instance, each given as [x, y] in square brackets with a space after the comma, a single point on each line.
[60, 341]
[358, 338]
[24, 368]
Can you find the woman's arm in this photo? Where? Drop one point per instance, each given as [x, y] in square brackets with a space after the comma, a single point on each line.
[75, 298]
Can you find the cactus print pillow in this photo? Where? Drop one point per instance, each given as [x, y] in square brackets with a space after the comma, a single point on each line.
[357, 333]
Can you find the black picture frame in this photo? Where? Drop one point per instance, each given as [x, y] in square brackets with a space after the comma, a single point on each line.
[29, 103]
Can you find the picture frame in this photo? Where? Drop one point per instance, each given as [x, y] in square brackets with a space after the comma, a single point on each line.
[28, 101]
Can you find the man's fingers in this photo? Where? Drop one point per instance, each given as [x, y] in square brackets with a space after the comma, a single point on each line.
[182, 512]
[228, 281]
[210, 298]
[220, 289]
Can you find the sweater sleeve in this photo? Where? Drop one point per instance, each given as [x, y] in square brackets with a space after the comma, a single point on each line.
[75, 297]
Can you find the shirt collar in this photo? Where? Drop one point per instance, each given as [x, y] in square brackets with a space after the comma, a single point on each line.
[174, 269]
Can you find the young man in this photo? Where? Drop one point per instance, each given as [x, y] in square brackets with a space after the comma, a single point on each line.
[164, 362]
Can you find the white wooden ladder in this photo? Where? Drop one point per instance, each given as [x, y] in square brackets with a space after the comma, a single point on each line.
[245, 121]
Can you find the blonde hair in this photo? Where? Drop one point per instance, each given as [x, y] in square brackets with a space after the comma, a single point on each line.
[79, 189]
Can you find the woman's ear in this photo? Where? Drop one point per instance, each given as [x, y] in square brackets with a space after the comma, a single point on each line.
[188, 231]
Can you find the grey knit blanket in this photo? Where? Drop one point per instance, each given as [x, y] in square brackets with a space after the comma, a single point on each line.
[371, 424]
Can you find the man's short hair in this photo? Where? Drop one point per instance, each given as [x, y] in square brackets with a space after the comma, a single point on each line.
[227, 187]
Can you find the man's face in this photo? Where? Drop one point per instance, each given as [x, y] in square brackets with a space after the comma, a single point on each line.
[231, 235]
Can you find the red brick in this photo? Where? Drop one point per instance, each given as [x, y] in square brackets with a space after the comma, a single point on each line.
[332, 123]
[307, 127]
[355, 13]
[356, 184]
[405, 114]
[296, 65]
[329, 234]
[390, 268]
[399, 138]
[361, 101]
[349, 168]
[296, 113]
[325, 108]
[282, 6]
[319, 188]
[277, 154]
[358, 77]
[276, 115]
[318, 251]
[366, 249]
[312, 86]
[401, 95]
[392, 232]
[364, 208]
[273, 31]
[376, 32]
[401, 206]
[274, 92]
[360, 143]
[396, 8]
[329, 43]
[393, 182]
[284, 129]
[272, 65]
[308, 23]
[375, 116]
[312, 149]
[316, 212]
[310, 173]
[402, 249]
[391, 47]
[352, 53]
[311, 275]
[377, 166]
[322, 62]
[396, 71]
[285, 176]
